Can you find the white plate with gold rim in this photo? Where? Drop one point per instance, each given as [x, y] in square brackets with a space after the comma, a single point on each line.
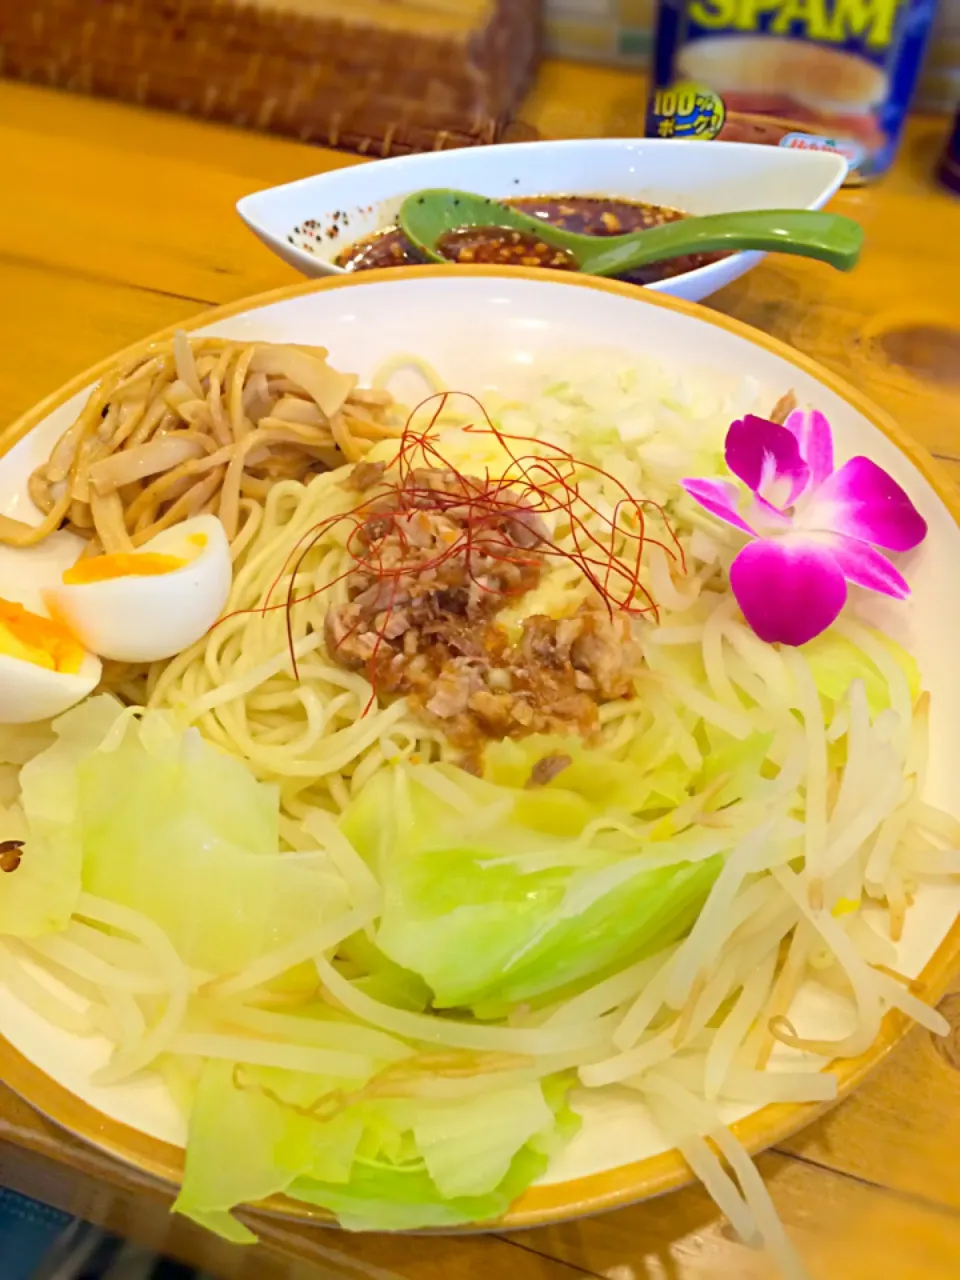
[483, 328]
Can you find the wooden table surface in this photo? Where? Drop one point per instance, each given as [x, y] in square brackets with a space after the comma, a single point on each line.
[114, 222]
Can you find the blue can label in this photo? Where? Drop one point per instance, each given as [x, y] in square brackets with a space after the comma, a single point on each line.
[787, 71]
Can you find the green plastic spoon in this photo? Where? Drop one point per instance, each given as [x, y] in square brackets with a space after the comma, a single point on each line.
[425, 216]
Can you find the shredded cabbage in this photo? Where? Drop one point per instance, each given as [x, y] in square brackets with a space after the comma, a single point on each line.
[391, 1163]
[42, 895]
[157, 820]
[498, 908]
[836, 663]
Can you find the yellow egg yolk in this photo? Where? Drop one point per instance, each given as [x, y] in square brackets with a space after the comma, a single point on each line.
[42, 641]
[103, 568]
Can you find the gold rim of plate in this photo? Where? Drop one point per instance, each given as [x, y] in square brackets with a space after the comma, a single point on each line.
[612, 1188]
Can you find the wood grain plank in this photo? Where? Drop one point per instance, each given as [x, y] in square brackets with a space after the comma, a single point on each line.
[903, 1128]
[55, 324]
[951, 466]
[140, 197]
[866, 327]
[843, 1229]
[583, 101]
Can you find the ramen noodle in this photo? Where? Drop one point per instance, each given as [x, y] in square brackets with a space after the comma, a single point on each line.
[832, 75]
[196, 426]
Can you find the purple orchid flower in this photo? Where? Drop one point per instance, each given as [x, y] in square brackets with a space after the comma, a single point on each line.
[813, 529]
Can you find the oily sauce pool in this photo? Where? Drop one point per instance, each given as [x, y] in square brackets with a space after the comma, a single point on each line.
[590, 215]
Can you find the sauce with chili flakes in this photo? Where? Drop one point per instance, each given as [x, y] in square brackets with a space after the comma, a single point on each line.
[386, 248]
[590, 215]
[503, 247]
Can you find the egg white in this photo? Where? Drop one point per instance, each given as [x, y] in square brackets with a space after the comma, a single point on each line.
[150, 618]
[29, 692]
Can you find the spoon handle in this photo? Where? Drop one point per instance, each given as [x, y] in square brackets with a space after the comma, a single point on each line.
[828, 237]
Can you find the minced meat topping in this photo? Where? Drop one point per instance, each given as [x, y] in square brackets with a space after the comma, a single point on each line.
[422, 615]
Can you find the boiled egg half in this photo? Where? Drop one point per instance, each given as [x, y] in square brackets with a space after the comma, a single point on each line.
[152, 603]
[44, 669]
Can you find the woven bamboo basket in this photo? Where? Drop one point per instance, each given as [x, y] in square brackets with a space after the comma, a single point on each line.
[380, 76]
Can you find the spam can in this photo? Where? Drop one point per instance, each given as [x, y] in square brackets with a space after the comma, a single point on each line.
[833, 75]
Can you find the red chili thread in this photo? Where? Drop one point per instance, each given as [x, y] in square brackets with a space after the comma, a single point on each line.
[545, 484]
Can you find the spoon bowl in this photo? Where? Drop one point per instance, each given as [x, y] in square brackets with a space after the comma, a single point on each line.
[426, 217]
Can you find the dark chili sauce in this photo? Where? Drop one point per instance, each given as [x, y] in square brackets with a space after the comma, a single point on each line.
[503, 247]
[592, 215]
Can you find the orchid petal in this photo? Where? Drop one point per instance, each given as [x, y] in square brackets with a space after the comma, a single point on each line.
[815, 440]
[864, 566]
[719, 497]
[790, 589]
[766, 518]
[861, 500]
[767, 458]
